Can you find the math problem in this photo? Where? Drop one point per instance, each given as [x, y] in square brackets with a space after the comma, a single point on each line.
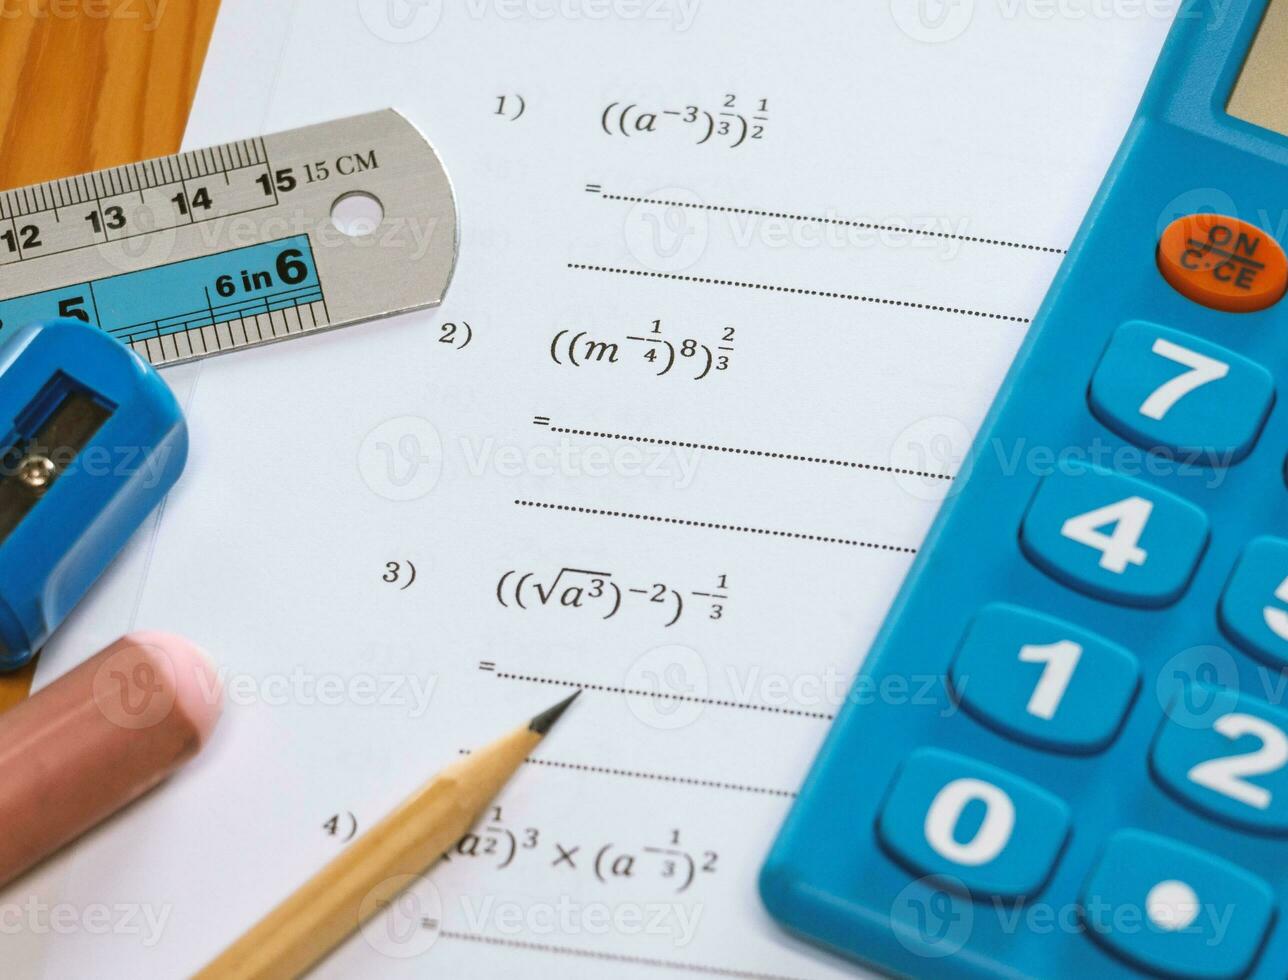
[599, 593]
[696, 358]
[728, 122]
[665, 861]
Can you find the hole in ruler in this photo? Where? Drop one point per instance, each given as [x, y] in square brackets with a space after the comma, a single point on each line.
[356, 213]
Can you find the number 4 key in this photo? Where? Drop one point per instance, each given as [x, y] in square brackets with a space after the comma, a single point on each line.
[1114, 537]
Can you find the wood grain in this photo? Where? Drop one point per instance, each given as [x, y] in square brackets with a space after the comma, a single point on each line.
[86, 84]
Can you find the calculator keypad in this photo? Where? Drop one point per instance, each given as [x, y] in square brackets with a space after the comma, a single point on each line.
[1114, 537]
[971, 823]
[1164, 389]
[1044, 681]
[1226, 754]
[1254, 604]
[1174, 909]
[1059, 721]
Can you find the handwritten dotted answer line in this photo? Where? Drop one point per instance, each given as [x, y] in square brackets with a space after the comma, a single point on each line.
[657, 777]
[737, 450]
[665, 696]
[844, 222]
[593, 954]
[800, 291]
[717, 526]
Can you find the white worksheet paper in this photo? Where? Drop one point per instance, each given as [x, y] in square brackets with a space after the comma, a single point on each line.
[825, 226]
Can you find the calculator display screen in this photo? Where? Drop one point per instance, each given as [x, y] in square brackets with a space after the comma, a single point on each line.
[1261, 93]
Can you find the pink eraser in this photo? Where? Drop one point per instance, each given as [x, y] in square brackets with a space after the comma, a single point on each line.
[98, 737]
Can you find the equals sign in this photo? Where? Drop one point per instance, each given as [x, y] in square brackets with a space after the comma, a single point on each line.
[487, 665]
[593, 189]
[541, 420]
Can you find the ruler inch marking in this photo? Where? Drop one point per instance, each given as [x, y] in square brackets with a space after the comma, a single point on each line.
[93, 301]
[209, 308]
[308, 241]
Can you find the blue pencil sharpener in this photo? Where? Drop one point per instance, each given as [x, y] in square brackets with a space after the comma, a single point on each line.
[91, 439]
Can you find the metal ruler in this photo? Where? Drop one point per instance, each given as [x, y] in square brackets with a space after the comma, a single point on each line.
[235, 245]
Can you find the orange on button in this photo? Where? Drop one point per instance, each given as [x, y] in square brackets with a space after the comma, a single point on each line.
[1223, 263]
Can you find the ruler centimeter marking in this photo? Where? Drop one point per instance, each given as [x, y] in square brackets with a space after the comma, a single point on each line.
[228, 247]
[101, 188]
[131, 177]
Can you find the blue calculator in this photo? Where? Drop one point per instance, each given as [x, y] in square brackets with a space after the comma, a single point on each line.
[1100, 786]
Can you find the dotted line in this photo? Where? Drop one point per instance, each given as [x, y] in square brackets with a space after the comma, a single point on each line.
[591, 954]
[873, 226]
[718, 702]
[751, 452]
[663, 778]
[799, 535]
[800, 291]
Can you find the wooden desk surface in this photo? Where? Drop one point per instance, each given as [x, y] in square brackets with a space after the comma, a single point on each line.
[94, 83]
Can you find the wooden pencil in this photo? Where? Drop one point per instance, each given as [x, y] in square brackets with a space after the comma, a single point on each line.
[373, 869]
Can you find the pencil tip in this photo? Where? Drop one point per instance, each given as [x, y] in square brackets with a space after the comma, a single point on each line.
[545, 721]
